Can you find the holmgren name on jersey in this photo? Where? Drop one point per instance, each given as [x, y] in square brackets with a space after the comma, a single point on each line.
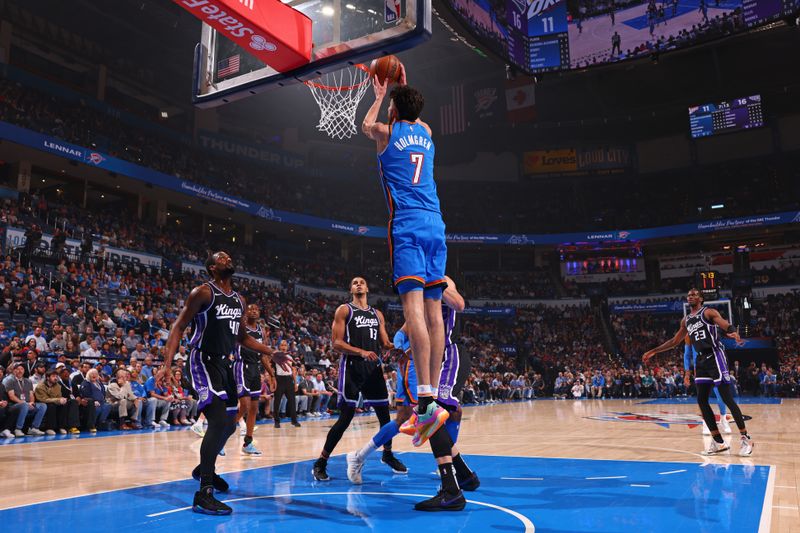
[412, 140]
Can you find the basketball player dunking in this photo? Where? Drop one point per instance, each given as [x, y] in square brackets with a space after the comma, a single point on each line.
[455, 369]
[359, 334]
[216, 313]
[702, 325]
[418, 254]
[248, 379]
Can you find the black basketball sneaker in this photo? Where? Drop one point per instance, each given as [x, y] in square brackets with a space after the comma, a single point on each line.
[393, 462]
[320, 470]
[470, 483]
[443, 502]
[206, 503]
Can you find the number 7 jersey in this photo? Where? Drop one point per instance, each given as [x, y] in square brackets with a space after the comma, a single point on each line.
[406, 167]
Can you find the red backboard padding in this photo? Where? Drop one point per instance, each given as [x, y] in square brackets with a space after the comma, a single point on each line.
[275, 33]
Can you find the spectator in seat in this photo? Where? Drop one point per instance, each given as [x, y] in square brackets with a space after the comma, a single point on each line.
[536, 388]
[20, 392]
[75, 404]
[105, 367]
[669, 384]
[8, 414]
[58, 408]
[148, 404]
[5, 334]
[324, 394]
[577, 389]
[93, 390]
[10, 353]
[39, 374]
[40, 343]
[769, 383]
[185, 405]
[627, 385]
[91, 354]
[30, 355]
[158, 391]
[132, 341]
[147, 368]
[58, 344]
[648, 384]
[126, 404]
[560, 386]
[301, 392]
[598, 385]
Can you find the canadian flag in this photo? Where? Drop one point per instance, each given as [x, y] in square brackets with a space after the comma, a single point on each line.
[521, 100]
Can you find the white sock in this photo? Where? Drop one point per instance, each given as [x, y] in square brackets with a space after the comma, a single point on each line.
[365, 452]
[424, 390]
[435, 392]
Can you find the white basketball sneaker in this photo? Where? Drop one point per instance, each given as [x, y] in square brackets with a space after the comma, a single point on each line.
[723, 422]
[706, 431]
[746, 446]
[354, 468]
[716, 448]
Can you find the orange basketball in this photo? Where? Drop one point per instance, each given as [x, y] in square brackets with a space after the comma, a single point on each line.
[386, 68]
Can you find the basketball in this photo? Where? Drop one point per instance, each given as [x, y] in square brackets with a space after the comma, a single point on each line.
[386, 68]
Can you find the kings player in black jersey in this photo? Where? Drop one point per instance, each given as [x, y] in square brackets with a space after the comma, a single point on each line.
[248, 378]
[216, 313]
[359, 335]
[703, 325]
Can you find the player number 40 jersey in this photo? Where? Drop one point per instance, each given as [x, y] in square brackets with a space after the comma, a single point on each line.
[406, 167]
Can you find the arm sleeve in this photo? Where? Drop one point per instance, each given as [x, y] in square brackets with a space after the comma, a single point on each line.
[688, 358]
[401, 340]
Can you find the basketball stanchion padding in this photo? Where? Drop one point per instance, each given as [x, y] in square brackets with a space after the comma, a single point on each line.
[338, 95]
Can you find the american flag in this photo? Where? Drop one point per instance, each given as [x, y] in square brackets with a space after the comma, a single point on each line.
[453, 115]
[228, 66]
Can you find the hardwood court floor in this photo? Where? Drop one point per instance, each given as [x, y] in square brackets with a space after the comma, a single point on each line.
[589, 429]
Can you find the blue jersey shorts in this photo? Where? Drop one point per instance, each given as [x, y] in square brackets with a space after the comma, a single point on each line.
[407, 384]
[417, 250]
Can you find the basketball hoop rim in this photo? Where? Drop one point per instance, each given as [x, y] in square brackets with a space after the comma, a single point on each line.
[311, 83]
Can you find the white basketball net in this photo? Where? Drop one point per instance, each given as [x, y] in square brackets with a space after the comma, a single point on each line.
[338, 95]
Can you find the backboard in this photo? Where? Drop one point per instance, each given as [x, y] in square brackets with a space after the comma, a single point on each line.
[345, 32]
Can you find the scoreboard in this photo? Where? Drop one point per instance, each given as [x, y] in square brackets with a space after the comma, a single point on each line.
[538, 37]
[757, 12]
[707, 283]
[723, 117]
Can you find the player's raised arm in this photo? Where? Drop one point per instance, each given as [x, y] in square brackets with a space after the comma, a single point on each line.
[672, 343]
[451, 297]
[377, 131]
[337, 336]
[713, 316]
[199, 298]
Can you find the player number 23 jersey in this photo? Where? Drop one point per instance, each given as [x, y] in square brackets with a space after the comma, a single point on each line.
[406, 167]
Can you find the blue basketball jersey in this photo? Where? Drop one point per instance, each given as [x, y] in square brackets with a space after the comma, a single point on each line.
[406, 167]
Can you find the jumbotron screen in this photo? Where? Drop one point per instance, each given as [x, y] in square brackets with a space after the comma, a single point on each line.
[724, 117]
[547, 35]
